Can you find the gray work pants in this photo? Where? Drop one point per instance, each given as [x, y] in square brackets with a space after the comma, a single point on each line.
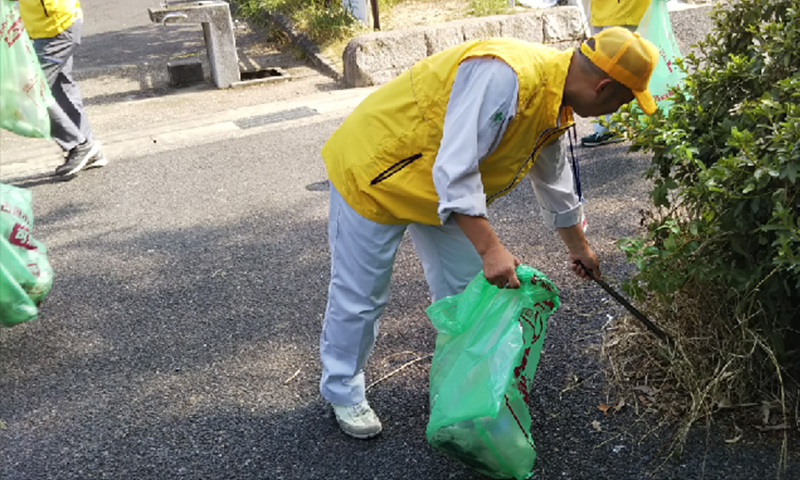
[69, 125]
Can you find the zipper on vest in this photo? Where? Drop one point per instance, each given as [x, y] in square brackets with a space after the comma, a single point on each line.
[44, 7]
[543, 137]
[393, 169]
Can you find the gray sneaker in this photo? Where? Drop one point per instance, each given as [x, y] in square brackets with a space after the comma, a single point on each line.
[597, 139]
[358, 420]
[77, 158]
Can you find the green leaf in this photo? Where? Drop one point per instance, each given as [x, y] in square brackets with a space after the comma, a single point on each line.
[669, 243]
[791, 172]
[755, 204]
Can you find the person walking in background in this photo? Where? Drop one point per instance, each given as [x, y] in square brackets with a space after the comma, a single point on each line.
[55, 28]
[605, 14]
[428, 151]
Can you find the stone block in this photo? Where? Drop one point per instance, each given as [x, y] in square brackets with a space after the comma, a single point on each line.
[375, 58]
[443, 36]
[482, 28]
[525, 27]
[562, 24]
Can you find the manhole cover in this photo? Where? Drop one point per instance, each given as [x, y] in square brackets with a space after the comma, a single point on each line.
[282, 116]
[323, 186]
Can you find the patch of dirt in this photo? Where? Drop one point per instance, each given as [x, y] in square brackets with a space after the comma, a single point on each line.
[412, 14]
[415, 13]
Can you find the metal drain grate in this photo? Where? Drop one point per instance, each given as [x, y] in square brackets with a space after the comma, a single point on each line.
[277, 117]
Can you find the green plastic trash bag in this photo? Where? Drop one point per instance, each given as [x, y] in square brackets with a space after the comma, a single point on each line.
[487, 349]
[656, 27]
[24, 92]
[15, 304]
[23, 259]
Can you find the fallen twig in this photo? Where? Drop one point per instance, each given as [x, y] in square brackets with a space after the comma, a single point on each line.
[407, 364]
[292, 377]
[405, 352]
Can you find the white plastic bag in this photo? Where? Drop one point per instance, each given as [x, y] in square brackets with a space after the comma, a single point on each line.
[538, 3]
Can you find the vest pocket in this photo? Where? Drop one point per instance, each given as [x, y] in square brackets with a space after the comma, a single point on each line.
[544, 137]
[393, 169]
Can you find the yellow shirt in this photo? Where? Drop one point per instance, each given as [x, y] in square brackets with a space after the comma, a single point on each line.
[615, 13]
[48, 18]
[381, 158]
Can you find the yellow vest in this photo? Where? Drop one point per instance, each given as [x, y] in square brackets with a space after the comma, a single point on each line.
[615, 13]
[48, 18]
[381, 158]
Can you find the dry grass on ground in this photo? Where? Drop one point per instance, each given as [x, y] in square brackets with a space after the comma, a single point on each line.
[719, 369]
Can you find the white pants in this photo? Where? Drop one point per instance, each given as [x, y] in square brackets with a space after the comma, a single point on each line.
[362, 258]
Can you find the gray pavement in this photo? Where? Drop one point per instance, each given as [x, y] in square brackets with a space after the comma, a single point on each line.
[180, 337]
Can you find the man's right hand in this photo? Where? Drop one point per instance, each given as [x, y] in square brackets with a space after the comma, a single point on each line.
[499, 265]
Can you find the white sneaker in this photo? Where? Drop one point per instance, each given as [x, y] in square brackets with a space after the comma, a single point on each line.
[358, 420]
[98, 160]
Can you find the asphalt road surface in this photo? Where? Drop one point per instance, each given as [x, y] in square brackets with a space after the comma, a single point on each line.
[180, 337]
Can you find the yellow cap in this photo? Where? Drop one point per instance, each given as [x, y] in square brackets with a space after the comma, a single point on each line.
[627, 58]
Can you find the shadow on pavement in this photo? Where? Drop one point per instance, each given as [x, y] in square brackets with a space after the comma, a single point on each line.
[139, 45]
[40, 179]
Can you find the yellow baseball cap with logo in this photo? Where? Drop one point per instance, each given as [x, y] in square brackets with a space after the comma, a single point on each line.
[627, 58]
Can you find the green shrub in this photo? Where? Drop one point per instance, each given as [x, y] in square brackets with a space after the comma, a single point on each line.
[323, 24]
[726, 158]
[719, 261]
